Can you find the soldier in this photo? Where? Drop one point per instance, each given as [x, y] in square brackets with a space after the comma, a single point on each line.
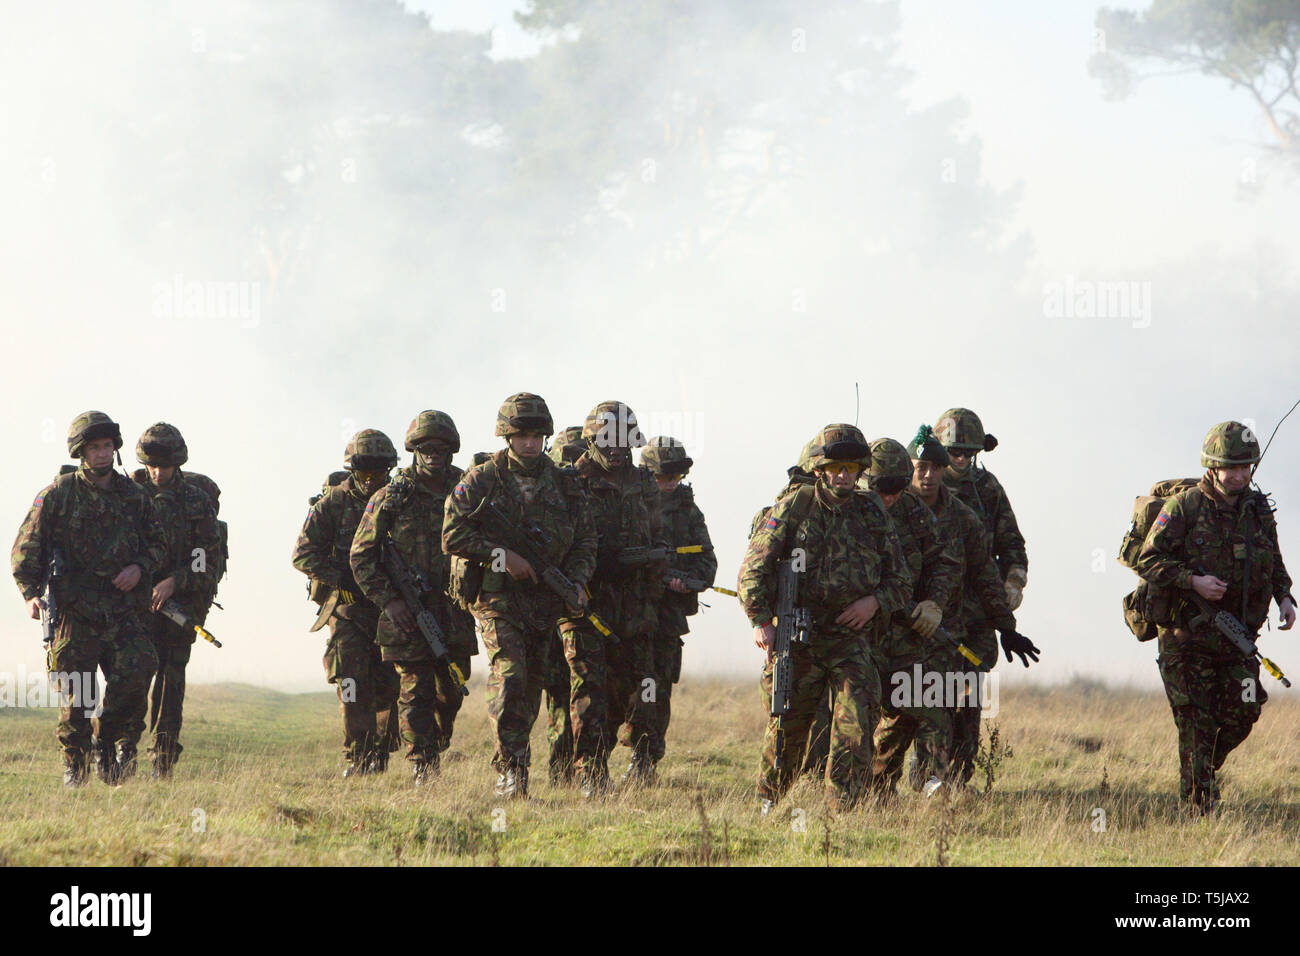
[102, 527]
[565, 450]
[853, 579]
[189, 576]
[684, 525]
[1217, 541]
[934, 582]
[516, 610]
[367, 685]
[980, 599]
[796, 475]
[409, 509]
[627, 514]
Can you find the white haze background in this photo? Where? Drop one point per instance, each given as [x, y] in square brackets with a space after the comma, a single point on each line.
[1168, 188]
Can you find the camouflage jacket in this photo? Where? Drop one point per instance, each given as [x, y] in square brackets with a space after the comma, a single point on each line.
[981, 600]
[933, 572]
[324, 545]
[553, 502]
[416, 530]
[983, 494]
[684, 524]
[189, 520]
[1201, 531]
[99, 532]
[797, 477]
[850, 551]
[209, 486]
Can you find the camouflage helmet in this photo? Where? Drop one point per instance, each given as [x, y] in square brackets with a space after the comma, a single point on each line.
[613, 425]
[432, 424]
[161, 444]
[839, 442]
[369, 447]
[889, 459]
[568, 446]
[1229, 443]
[666, 456]
[962, 429]
[524, 412]
[89, 426]
[805, 457]
[926, 447]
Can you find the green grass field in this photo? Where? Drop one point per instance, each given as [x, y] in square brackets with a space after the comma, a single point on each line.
[259, 785]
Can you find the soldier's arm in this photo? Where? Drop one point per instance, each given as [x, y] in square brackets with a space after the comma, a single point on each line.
[1281, 582]
[1161, 560]
[366, 553]
[984, 581]
[311, 555]
[29, 558]
[461, 534]
[757, 571]
[1008, 542]
[940, 580]
[152, 558]
[895, 587]
[580, 563]
[705, 565]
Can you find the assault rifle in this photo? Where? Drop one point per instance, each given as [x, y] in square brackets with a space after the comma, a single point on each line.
[411, 585]
[528, 540]
[175, 613]
[635, 557]
[695, 584]
[793, 625]
[50, 602]
[1231, 628]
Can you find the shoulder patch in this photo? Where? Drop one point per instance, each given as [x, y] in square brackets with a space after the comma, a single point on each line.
[40, 499]
[772, 523]
[1162, 519]
[370, 506]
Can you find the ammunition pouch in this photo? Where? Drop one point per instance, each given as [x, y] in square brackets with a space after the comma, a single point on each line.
[466, 581]
[1149, 607]
[318, 590]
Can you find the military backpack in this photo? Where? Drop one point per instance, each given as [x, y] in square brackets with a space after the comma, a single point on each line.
[1147, 606]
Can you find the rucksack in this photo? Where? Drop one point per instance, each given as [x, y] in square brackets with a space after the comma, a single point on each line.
[1147, 606]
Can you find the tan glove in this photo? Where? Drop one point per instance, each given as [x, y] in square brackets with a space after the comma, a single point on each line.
[926, 618]
[1015, 583]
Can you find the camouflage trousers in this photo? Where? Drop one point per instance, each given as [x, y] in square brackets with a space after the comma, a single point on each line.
[846, 668]
[982, 640]
[559, 722]
[367, 685]
[172, 645]
[122, 650]
[662, 654]
[632, 691]
[428, 702]
[517, 657]
[584, 652]
[1215, 703]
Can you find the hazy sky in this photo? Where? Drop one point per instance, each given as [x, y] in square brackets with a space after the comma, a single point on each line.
[1089, 411]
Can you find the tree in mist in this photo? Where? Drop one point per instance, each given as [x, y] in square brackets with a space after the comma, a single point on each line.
[1253, 44]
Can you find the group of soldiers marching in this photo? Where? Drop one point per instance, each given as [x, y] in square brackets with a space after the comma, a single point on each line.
[577, 568]
[124, 573]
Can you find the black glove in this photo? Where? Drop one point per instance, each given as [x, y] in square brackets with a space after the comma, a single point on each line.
[1014, 643]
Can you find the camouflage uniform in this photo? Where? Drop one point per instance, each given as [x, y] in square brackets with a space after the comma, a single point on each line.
[683, 524]
[1213, 689]
[851, 551]
[518, 618]
[565, 450]
[429, 701]
[189, 520]
[367, 684]
[99, 532]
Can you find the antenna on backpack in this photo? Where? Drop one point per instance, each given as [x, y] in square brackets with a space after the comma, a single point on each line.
[1270, 440]
[857, 404]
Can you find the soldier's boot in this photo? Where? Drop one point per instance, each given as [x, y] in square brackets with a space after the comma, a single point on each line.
[162, 765]
[76, 769]
[358, 765]
[560, 770]
[640, 772]
[377, 761]
[766, 807]
[593, 782]
[512, 783]
[425, 768]
[126, 762]
[105, 761]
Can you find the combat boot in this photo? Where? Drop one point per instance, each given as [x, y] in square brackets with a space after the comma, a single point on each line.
[594, 784]
[76, 769]
[512, 783]
[377, 761]
[425, 768]
[125, 762]
[766, 807]
[640, 772]
[105, 761]
[358, 766]
[162, 766]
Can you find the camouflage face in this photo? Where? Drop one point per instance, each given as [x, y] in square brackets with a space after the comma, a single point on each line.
[1228, 444]
[961, 428]
[368, 450]
[88, 426]
[432, 424]
[568, 446]
[840, 442]
[524, 411]
[666, 457]
[161, 444]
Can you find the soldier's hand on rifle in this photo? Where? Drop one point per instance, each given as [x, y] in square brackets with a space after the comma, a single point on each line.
[676, 585]
[926, 618]
[128, 577]
[1014, 643]
[765, 637]
[34, 608]
[857, 614]
[163, 590]
[519, 568]
[1208, 586]
[1286, 611]
[401, 615]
